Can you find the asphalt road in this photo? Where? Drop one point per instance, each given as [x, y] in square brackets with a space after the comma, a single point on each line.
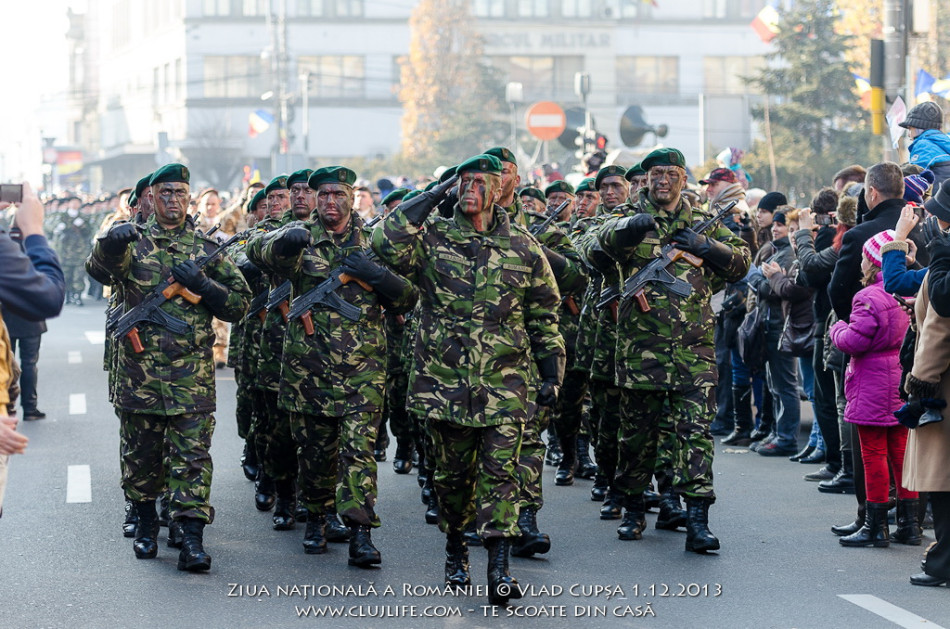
[65, 563]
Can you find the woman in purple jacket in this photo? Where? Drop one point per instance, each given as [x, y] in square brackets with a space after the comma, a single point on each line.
[873, 338]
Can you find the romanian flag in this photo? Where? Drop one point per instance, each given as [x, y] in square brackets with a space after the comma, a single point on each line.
[863, 86]
[765, 23]
[259, 121]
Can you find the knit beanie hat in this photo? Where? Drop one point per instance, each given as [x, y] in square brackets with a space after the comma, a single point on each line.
[916, 186]
[872, 248]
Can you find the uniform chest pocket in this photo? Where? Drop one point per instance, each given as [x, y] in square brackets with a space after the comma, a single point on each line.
[146, 274]
[315, 266]
[515, 275]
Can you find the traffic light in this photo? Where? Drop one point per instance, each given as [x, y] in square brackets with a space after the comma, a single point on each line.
[600, 142]
[581, 143]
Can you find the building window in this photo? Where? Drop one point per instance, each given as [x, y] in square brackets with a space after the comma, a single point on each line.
[488, 8]
[234, 77]
[253, 8]
[732, 9]
[335, 76]
[533, 8]
[724, 75]
[310, 8]
[542, 77]
[348, 8]
[216, 7]
[641, 76]
[576, 8]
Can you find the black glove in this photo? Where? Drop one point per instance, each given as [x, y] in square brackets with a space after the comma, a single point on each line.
[417, 209]
[361, 266]
[598, 259]
[909, 414]
[630, 230]
[248, 269]
[447, 205]
[556, 260]
[190, 275]
[118, 238]
[709, 249]
[292, 242]
[548, 394]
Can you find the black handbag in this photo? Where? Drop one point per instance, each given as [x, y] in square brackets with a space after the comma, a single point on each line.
[752, 340]
[798, 339]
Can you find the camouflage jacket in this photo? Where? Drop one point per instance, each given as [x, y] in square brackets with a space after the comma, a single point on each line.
[341, 368]
[488, 314]
[571, 282]
[671, 346]
[174, 374]
[597, 339]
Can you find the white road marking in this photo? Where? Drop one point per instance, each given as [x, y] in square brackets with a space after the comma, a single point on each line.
[893, 613]
[78, 484]
[74, 358]
[96, 337]
[77, 403]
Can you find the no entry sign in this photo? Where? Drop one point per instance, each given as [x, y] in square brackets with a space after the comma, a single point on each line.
[545, 120]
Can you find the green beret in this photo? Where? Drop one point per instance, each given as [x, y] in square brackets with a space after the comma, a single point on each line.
[586, 186]
[447, 174]
[635, 171]
[411, 194]
[531, 191]
[277, 183]
[261, 195]
[332, 174]
[559, 186]
[609, 171]
[140, 186]
[432, 184]
[481, 163]
[301, 176]
[396, 195]
[502, 154]
[663, 157]
[170, 173]
[133, 199]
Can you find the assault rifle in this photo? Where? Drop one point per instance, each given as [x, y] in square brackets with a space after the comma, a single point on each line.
[257, 306]
[657, 270]
[550, 217]
[323, 294]
[149, 311]
[279, 299]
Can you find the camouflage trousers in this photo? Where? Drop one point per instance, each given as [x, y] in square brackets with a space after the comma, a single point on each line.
[531, 459]
[244, 404]
[173, 449]
[605, 414]
[276, 441]
[568, 415]
[337, 466]
[400, 422]
[75, 276]
[676, 422]
[476, 478]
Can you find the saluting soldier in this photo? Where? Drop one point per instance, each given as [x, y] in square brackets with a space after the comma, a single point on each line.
[165, 394]
[665, 361]
[333, 379]
[487, 331]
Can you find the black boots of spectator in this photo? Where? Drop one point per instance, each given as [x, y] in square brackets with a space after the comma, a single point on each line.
[193, 557]
[698, 537]
[875, 531]
[908, 529]
[741, 435]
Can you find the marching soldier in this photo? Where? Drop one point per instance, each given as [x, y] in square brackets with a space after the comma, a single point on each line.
[487, 329]
[165, 393]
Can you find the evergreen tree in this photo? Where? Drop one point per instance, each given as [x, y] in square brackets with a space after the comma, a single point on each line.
[453, 104]
[817, 124]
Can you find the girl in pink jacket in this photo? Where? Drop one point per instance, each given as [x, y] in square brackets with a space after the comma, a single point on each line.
[873, 338]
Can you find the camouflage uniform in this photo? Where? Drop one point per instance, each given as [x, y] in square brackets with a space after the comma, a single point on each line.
[665, 362]
[488, 312]
[166, 394]
[397, 380]
[72, 245]
[571, 281]
[333, 382]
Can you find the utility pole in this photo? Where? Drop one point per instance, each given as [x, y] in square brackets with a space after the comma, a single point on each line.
[895, 56]
[305, 114]
[277, 20]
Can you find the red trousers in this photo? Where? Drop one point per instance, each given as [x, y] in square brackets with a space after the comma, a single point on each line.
[883, 446]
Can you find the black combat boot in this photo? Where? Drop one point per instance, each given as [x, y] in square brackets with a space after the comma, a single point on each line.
[613, 506]
[599, 491]
[908, 529]
[176, 536]
[432, 509]
[427, 490]
[285, 505]
[145, 544]
[651, 498]
[553, 454]
[337, 533]
[875, 531]
[501, 585]
[531, 541]
[362, 552]
[193, 557]
[634, 519]
[470, 535]
[698, 537]
[424, 472]
[163, 518]
[314, 539]
[264, 492]
[382, 443]
[249, 461]
[402, 462]
[456, 561]
[672, 515]
[586, 468]
[131, 518]
[565, 469]
[300, 513]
